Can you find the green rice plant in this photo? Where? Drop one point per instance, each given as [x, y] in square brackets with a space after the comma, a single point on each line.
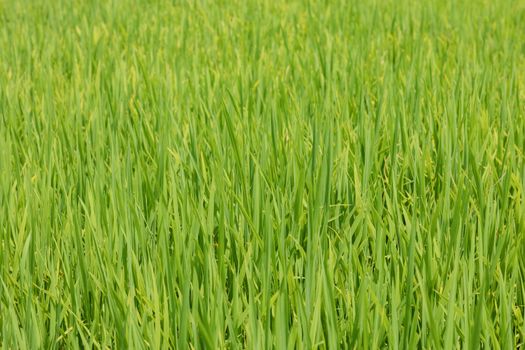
[262, 174]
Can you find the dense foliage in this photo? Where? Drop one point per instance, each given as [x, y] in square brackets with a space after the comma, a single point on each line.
[258, 174]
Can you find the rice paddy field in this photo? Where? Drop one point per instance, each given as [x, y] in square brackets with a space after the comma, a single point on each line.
[262, 174]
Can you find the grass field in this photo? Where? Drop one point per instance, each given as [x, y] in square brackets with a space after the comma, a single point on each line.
[262, 174]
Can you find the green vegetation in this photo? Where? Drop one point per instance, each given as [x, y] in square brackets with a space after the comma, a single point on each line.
[262, 174]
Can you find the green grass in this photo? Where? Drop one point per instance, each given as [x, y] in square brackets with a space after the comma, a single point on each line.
[262, 174]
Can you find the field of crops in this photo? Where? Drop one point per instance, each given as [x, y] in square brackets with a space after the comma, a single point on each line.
[262, 174]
